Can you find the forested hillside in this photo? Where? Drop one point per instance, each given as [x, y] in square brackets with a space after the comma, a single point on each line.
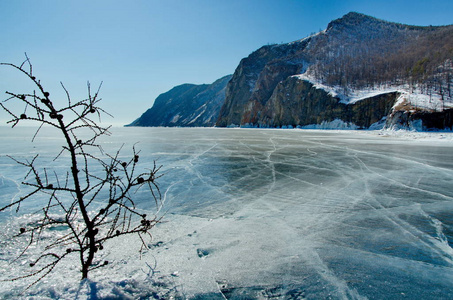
[359, 51]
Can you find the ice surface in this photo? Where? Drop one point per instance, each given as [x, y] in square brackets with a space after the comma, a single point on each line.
[274, 214]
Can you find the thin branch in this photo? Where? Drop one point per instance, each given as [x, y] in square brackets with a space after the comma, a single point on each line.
[94, 208]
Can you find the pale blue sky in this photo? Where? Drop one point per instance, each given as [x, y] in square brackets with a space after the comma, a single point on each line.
[141, 49]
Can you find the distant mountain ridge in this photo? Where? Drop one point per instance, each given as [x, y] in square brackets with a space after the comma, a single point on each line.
[360, 72]
[186, 105]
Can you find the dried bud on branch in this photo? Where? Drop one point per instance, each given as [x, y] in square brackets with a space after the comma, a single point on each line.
[88, 226]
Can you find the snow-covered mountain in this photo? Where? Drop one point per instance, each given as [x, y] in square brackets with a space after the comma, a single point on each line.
[360, 72]
[187, 105]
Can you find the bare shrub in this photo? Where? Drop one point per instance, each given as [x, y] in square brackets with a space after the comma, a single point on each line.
[93, 207]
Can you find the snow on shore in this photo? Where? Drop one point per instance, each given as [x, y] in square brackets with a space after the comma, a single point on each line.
[414, 96]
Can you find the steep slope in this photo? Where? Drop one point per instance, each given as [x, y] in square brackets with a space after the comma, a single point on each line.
[298, 102]
[186, 105]
[255, 78]
[338, 72]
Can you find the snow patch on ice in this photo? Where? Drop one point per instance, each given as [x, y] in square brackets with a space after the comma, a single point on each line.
[404, 134]
[335, 124]
[379, 125]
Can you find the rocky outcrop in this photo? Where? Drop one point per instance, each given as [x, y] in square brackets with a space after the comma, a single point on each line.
[254, 80]
[420, 120]
[186, 105]
[297, 102]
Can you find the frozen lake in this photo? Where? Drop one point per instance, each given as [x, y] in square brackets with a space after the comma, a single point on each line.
[282, 214]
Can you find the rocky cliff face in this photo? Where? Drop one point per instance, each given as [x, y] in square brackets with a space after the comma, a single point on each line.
[354, 71]
[297, 102]
[254, 80]
[186, 105]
